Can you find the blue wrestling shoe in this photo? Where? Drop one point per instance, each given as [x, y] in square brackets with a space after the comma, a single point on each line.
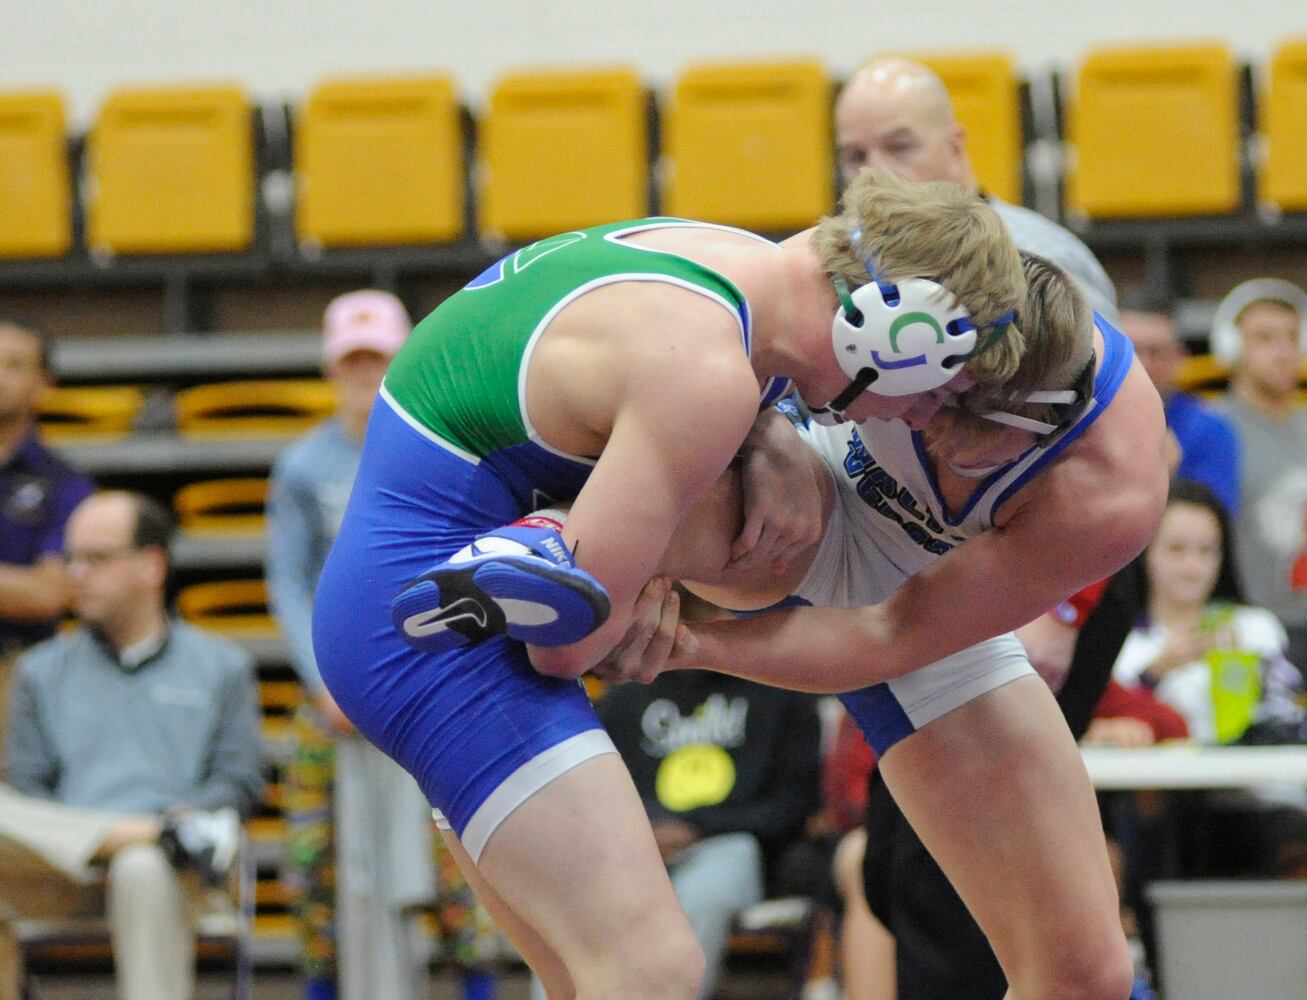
[519, 580]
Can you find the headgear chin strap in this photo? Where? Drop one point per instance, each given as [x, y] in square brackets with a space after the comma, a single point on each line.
[898, 339]
[1066, 404]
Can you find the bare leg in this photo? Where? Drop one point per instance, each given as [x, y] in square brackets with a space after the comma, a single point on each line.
[578, 865]
[998, 794]
[542, 959]
[867, 948]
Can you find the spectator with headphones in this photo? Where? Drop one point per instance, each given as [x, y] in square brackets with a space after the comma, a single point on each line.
[1260, 331]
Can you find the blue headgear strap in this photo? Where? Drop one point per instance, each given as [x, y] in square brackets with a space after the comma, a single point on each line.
[888, 291]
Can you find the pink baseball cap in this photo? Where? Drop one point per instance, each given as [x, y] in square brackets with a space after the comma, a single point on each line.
[364, 321]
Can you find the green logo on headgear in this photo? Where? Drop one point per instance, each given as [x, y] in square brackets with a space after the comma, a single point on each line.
[907, 319]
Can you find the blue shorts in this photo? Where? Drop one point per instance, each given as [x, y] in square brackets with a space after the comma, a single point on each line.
[478, 728]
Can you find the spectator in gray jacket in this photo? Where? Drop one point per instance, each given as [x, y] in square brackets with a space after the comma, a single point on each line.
[132, 752]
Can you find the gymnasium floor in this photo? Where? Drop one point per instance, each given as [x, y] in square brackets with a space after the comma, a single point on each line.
[740, 983]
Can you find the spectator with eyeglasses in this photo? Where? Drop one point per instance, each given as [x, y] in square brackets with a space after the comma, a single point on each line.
[132, 752]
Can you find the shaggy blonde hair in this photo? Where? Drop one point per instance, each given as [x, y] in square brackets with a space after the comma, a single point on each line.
[938, 231]
[1058, 326]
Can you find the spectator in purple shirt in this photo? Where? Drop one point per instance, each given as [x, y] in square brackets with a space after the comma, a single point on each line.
[38, 491]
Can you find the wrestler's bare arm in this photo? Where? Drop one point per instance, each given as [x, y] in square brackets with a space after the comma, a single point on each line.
[685, 399]
[1078, 523]
[701, 552]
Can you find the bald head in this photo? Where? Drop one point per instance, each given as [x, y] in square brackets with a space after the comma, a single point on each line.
[896, 114]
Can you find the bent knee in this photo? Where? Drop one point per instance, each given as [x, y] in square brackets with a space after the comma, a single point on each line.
[1104, 983]
[666, 967]
[680, 967]
[1104, 973]
[138, 863]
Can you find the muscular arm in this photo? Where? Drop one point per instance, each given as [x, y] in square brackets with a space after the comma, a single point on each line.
[992, 584]
[676, 429]
[1079, 522]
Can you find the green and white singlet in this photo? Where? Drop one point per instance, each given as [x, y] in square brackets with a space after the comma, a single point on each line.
[450, 454]
[461, 377]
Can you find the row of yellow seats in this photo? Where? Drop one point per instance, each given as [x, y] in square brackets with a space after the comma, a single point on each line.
[270, 407]
[1151, 132]
[1207, 376]
[282, 407]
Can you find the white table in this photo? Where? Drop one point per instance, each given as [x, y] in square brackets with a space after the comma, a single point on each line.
[1185, 766]
[1218, 939]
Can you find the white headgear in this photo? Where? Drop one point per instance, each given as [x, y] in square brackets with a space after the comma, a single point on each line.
[1226, 340]
[897, 339]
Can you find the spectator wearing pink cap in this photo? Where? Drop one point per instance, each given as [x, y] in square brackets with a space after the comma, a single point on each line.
[361, 846]
[331, 765]
[361, 332]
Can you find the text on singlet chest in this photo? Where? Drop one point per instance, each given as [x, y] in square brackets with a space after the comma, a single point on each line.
[882, 493]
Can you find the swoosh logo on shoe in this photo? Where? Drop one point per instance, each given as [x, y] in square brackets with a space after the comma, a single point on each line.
[426, 623]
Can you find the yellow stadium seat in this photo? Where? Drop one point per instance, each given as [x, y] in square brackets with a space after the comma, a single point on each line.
[1154, 132]
[985, 93]
[1202, 373]
[278, 701]
[268, 831]
[1283, 177]
[235, 608]
[223, 506]
[563, 150]
[259, 406]
[36, 220]
[68, 413]
[280, 697]
[1205, 375]
[750, 145]
[172, 171]
[379, 162]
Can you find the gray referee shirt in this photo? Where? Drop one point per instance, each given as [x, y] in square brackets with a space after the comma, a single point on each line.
[178, 727]
[1038, 234]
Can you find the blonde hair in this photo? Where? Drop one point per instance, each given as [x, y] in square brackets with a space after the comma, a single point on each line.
[1058, 327]
[934, 230]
